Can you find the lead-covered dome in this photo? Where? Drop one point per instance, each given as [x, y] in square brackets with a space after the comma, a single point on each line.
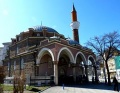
[72, 42]
[40, 28]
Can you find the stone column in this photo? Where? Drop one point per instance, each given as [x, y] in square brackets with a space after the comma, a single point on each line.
[55, 72]
[86, 72]
[74, 74]
[96, 77]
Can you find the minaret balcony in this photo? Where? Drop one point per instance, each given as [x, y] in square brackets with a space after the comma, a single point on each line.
[75, 25]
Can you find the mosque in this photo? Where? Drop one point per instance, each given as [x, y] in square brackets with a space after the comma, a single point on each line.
[43, 53]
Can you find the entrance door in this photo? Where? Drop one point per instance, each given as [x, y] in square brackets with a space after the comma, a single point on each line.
[62, 71]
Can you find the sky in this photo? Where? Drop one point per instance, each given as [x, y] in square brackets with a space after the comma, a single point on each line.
[96, 17]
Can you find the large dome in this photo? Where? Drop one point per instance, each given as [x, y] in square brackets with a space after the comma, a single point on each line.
[40, 28]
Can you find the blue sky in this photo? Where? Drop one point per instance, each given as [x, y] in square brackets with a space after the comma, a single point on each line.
[96, 17]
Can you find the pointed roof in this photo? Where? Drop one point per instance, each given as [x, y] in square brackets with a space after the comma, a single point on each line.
[73, 9]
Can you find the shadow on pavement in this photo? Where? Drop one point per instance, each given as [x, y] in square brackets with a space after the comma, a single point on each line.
[101, 86]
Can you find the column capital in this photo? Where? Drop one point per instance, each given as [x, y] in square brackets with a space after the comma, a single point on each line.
[55, 62]
[73, 65]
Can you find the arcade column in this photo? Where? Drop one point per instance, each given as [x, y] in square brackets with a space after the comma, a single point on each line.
[55, 72]
[74, 74]
[86, 71]
[96, 77]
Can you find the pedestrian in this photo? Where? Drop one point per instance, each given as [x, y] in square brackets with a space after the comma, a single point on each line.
[93, 79]
[115, 82]
[63, 86]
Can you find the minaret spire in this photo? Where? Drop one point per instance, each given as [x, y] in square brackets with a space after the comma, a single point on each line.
[75, 24]
[73, 8]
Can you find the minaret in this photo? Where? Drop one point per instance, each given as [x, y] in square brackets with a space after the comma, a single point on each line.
[75, 25]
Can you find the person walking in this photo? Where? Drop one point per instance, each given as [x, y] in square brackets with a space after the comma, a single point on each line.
[115, 82]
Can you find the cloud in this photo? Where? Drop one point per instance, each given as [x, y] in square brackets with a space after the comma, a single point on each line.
[5, 12]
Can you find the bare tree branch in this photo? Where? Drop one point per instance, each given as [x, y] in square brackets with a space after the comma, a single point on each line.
[105, 45]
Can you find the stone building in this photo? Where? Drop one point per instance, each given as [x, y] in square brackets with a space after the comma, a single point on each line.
[1, 52]
[43, 52]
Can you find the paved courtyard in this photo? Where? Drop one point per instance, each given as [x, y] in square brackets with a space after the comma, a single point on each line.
[87, 88]
[90, 88]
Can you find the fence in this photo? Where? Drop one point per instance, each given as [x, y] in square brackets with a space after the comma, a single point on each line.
[41, 80]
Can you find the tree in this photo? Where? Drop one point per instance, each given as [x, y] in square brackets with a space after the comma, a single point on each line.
[2, 76]
[105, 46]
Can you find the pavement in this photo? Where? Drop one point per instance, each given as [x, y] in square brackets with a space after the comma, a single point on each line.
[88, 88]
[84, 88]
[24, 92]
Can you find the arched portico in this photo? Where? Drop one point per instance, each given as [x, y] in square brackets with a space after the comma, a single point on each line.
[92, 70]
[90, 57]
[80, 61]
[68, 52]
[45, 65]
[82, 56]
[42, 52]
[65, 72]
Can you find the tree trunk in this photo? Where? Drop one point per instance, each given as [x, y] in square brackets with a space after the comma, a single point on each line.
[109, 81]
[96, 76]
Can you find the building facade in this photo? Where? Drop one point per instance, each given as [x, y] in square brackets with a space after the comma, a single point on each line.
[42, 51]
[1, 52]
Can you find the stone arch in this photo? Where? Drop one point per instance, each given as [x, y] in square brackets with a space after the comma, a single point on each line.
[91, 58]
[80, 61]
[40, 54]
[82, 55]
[69, 53]
[91, 68]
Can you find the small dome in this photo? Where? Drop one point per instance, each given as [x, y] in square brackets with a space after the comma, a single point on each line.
[72, 42]
[40, 28]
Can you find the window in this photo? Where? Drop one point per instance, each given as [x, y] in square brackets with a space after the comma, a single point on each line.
[14, 65]
[17, 50]
[22, 63]
[19, 38]
[119, 73]
[38, 34]
[8, 66]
